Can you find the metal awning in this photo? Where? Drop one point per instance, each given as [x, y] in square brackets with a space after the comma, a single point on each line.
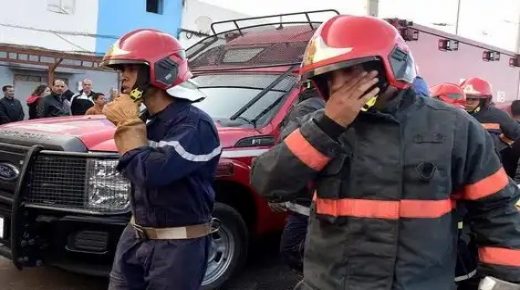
[22, 54]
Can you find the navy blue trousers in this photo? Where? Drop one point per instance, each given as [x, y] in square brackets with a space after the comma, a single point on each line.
[293, 240]
[158, 264]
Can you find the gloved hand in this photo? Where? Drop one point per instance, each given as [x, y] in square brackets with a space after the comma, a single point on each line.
[131, 130]
[121, 109]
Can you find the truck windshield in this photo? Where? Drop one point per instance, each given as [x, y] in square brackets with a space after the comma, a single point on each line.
[227, 94]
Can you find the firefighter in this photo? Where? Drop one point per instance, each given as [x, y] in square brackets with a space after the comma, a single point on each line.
[504, 130]
[295, 230]
[512, 157]
[450, 94]
[383, 213]
[170, 155]
[515, 110]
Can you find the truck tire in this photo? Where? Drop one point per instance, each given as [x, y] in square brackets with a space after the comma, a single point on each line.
[229, 246]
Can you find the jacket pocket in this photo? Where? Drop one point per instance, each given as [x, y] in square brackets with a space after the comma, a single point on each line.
[427, 166]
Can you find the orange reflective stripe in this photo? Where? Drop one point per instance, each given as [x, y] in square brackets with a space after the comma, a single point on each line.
[491, 126]
[358, 208]
[307, 154]
[426, 208]
[487, 186]
[499, 256]
[384, 209]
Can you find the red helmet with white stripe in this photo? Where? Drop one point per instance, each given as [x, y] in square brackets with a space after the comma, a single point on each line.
[450, 94]
[164, 59]
[477, 88]
[344, 41]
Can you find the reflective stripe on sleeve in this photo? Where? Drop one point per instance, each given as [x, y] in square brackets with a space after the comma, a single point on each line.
[499, 256]
[487, 186]
[305, 152]
[185, 154]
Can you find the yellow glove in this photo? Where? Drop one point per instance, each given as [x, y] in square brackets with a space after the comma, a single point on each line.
[130, 135]
[123, 108]
[131, 130]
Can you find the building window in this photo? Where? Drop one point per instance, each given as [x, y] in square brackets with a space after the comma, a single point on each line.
[61, 6]
[154, 6]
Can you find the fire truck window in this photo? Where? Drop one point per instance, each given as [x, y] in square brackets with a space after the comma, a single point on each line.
[228, 94]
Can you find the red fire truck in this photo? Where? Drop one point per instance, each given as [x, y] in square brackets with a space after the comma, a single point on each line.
[63, 203]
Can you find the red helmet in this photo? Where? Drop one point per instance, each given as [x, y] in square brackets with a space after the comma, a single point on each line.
[162, 54]
[345, 40]
[449, 93]
[477, 88]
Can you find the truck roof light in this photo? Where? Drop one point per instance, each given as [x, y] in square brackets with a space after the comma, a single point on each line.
[409, 34]
[490, 55]
[448, 44]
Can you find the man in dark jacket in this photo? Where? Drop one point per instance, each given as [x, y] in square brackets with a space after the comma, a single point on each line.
[54, 105]
[515, 110]
[388, 173]
[171, 162]
[81, 102]
[10, 108]
[513, 156]
[504, 130]
[295, 230]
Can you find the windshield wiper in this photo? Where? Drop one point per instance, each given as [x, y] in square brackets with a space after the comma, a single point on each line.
[262, 93]
[269, 108]
[250, 122]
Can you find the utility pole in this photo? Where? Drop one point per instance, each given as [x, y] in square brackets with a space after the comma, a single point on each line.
[373, 7]
[518, 36]
[458, 17]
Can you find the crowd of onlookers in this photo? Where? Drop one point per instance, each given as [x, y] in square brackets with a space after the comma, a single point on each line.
[53, 101]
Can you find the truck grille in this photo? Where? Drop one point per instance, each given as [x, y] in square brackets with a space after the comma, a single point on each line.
[58, 180]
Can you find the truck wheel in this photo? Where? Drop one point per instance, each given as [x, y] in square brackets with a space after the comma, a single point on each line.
[228, 250]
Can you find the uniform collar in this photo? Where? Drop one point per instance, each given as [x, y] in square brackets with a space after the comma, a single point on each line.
[400, 102]
[171, 110]
[403, 100]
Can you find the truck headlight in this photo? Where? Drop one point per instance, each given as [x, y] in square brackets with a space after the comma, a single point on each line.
[107, 189]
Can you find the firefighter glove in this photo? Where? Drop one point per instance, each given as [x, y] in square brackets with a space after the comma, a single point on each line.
[122, 109]
[131, 130]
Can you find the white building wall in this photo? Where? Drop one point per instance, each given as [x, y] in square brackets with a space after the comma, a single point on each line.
[492, 22]
[22, 20]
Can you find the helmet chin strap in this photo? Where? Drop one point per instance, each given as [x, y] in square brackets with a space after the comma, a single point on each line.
[373, 100]
[142, 84]
[478, 108]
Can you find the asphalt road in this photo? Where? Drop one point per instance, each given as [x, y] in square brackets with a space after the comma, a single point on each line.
[264, 271]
